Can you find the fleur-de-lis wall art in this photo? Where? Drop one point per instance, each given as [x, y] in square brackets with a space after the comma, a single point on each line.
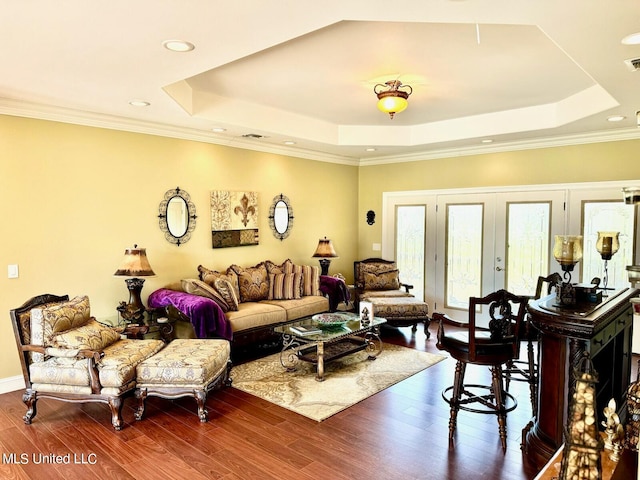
[234, 218]
[244, 209]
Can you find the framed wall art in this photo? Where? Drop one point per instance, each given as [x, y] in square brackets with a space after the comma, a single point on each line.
[234, 218]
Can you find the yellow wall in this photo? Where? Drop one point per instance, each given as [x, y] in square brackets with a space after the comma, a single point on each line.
[75, 197]
[581, 163]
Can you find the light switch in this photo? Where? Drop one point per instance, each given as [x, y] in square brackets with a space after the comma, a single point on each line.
[376, 247]
[12, 271]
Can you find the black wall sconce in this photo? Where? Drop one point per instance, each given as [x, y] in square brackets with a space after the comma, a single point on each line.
[371, 217]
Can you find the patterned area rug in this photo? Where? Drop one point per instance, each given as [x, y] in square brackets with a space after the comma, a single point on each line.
[347, 381]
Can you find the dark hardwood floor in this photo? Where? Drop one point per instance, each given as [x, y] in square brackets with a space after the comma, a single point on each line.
[400, 433]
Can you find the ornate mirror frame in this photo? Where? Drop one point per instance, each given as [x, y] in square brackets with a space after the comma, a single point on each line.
[277, 216]
[189, 220]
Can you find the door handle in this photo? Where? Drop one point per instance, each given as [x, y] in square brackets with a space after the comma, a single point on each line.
[498, 269]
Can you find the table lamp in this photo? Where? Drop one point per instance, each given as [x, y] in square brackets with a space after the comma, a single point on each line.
[135, 264]
[567, 251]
[607, 245]
[325, 252]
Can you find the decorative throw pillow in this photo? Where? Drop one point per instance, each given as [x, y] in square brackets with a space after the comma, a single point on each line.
[286, 267]
[253, 282]
[226, 290]
[92, 336]
[59, 317]
[382, 281]
[375, 268]
[310, 279]
[285, 286]
[203, 289]
[210, 276]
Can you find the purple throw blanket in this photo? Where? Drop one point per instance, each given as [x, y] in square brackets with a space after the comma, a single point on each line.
[335, 289]
[206, 316]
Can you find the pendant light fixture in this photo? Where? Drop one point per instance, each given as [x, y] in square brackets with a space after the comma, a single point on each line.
[391, 99]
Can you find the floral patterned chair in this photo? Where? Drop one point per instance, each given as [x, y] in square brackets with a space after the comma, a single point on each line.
[67, 355]
[378, 281]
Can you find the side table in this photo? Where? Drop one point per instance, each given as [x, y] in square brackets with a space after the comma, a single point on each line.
[159, 322]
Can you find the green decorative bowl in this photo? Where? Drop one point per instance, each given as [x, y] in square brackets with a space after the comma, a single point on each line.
[330, 321]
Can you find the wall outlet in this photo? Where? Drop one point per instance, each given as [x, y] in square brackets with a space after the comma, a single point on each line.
[376, 247]
[12, 271]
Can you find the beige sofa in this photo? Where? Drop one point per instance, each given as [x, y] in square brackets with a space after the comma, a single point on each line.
[244, 304]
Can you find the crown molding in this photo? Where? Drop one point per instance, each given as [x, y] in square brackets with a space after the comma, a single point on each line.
[79, 117]
[549, 142]
[112, 122]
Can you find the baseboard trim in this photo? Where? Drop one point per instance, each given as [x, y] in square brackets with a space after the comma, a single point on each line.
[11, 384]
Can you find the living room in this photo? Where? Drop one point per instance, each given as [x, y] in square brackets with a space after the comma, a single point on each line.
[76, 196]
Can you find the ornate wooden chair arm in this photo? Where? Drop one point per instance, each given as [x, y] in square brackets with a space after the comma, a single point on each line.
[443, 318]
[32, 348]
[92, 357]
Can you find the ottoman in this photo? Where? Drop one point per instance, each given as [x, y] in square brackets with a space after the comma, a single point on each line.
[185, 367]
[401, 311]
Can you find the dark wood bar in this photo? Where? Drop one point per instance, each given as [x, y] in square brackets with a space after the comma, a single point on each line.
[605, 331]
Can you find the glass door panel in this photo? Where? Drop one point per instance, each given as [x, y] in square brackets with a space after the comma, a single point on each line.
[528, 240]
[602, 209]
[463, 256]
[410, 246]
[608, 217]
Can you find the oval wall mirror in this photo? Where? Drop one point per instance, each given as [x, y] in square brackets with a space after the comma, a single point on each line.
[281, 217]
[177, 216]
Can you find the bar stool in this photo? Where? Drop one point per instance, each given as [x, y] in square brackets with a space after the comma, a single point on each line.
[492, 345]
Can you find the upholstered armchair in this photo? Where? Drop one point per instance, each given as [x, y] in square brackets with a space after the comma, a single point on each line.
[375, 277]
[67, 355]
[378, 281]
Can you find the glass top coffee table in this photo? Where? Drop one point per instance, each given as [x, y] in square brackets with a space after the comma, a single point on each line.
[336, 335]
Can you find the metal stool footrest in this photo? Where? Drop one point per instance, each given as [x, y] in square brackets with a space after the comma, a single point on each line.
[472, 394]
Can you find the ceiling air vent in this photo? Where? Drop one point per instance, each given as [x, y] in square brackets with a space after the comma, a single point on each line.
[252, 135]
[633, 64]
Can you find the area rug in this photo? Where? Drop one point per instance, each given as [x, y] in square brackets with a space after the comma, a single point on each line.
[347, 381]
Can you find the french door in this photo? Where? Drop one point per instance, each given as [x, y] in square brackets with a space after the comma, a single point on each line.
[490, 241]
[473, 243]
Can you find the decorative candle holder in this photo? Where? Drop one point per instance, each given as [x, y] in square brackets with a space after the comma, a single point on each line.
[607, 245]
[567, 251]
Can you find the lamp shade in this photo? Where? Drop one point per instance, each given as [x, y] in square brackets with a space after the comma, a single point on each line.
[135, 263]
[325, 249]
[567, 250]
[607, 244]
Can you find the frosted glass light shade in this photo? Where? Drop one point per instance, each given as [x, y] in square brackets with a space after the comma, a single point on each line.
[391, 104]
[567, 250]
[607, 244]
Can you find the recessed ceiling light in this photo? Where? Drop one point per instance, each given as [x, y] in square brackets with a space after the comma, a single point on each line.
[633, 39]
[219, 129]
[487, 140]
[370, 149]
[289, 142]
[616, 118]
[139, 103]
[178, 45]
